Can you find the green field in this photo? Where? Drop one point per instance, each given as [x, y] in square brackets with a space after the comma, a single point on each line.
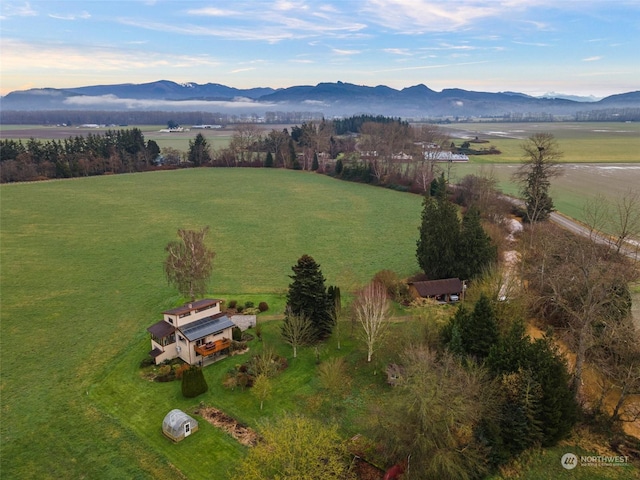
[82, 279]
[580, 142]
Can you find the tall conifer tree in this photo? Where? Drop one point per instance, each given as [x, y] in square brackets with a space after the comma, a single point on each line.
[308, 296]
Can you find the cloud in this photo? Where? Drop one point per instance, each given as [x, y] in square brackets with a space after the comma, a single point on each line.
[426, 67]
[417, 16]
[133, 103]
[591, 59]
[10, 9]
[339, 51]
[240, 70]
[397, 51]
[212, 12]
[82, 16]
[90, 58]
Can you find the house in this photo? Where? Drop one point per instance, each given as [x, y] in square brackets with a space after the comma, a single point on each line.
[197, 332]
[445, 290]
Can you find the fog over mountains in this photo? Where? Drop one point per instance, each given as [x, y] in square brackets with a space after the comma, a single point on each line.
[330, 99]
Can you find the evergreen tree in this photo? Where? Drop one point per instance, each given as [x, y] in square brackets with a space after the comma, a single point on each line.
[438, 187]
[480, 331]
[437, 247]
[339, 166]
[308, 296]
[472, 333]
[314, 164]
[199, 151]
[476, 251]
[268, 163]
[193, 382]
[553, 410]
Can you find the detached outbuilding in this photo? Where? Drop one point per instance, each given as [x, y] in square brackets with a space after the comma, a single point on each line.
[177, 425]
[445, 290]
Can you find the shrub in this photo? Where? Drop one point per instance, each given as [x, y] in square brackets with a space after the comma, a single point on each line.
[250, 311]
[239, 308]
[248, 304]
[164, 370]
[397, 290]
[193, 382]
[263, 306]
[146, 362]
[181, 369]
[233, 303]
[236, 334]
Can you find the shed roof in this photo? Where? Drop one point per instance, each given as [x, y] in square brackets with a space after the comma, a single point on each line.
[161, 329]
[188, 307]
[433, 288]
[206, 326]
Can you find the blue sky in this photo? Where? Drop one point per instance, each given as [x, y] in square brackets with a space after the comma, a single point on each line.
[530, 46]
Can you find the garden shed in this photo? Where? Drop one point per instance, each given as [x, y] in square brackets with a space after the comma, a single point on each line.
[177, 425]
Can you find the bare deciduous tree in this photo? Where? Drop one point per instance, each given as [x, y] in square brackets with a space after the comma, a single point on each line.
[246, 136]
[297, 330]
[189, 263]
[540, 164]
[617, 360]
[371, 310]
[625, 221]
[582, 288]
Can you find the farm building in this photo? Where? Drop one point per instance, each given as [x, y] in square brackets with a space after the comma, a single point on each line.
[445, 290]
[197, 332]
[177, 425]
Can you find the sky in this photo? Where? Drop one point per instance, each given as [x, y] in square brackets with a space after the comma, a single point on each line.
[577, 47]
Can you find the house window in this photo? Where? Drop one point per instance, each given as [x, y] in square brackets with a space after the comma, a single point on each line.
[181, 338]
[170, 320]
[186, 314]
[205, 308]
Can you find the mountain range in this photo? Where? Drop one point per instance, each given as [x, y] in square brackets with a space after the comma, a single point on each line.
[331, 99]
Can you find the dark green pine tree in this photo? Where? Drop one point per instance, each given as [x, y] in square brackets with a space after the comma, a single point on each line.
[268, 163]
[193, 382]
[480, 332]
[339, 166]
[476, 251]
[315, 165]
[555, 410]
[558, 408]
[293, 155]
[199, 151]
[308, 296]
[437, 246]
[438, 187]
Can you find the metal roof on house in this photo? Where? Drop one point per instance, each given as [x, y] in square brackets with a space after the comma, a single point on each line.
[155, 352]
[188, 307]
[433, 288]
[206, 326]
[161, 329]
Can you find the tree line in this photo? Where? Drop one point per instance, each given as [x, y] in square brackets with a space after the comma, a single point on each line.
[371, 149]
[116, 151]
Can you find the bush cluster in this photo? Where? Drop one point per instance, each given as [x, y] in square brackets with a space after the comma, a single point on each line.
[266, 363]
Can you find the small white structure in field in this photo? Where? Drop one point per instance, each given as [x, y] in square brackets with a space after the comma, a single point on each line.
[177, 425]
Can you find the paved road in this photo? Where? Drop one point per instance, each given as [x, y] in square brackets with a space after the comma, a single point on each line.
[579, 229]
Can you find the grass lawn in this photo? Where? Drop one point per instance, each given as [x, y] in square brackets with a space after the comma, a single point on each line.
[82, 279]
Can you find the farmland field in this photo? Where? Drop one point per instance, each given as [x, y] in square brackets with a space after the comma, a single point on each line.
[82, 279]
[580, 142]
